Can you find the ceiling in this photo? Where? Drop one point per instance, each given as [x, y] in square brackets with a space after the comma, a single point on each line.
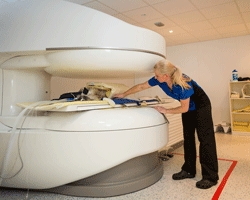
[189, 20]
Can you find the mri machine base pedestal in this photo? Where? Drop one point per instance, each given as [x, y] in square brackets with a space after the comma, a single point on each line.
[130, 176]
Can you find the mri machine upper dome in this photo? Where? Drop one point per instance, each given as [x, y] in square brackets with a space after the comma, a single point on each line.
[71, 40]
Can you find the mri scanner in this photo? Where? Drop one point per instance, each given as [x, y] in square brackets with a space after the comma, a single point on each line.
[85, 150]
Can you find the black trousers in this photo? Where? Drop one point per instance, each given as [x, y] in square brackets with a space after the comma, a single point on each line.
[201, 121]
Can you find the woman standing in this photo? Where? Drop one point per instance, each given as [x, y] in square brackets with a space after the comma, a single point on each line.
[196, 115]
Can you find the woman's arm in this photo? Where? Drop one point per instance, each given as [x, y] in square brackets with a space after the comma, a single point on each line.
[134, 89]
[181, 109]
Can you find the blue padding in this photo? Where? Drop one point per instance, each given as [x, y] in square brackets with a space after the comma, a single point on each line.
[152, 100]
[123, 101]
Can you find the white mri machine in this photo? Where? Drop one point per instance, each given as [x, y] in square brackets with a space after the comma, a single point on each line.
[79, 152]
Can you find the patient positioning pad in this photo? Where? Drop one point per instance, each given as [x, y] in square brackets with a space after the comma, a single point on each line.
[73, 101]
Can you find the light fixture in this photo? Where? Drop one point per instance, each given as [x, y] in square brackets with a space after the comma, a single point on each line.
[159, 24]
[171, 31]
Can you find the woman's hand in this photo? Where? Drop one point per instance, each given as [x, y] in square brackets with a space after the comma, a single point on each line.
[119, 96]
[161, 109]
[181, 109]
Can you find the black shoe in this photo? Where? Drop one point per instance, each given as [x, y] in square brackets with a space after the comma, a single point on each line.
[182, 175]
[205, 184]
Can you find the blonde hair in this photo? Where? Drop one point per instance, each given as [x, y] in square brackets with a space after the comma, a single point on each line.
[166, 67]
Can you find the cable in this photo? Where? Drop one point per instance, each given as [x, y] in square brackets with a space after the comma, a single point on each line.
[12, 140]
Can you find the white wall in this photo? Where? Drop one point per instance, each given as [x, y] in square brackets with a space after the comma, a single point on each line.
[211, 64]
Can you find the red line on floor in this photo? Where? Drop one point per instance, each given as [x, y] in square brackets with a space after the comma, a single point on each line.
[224, 180]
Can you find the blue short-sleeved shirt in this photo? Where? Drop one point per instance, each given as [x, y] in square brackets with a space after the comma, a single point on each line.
[177, 92]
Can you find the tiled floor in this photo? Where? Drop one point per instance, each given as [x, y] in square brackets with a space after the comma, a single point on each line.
[229, 147]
